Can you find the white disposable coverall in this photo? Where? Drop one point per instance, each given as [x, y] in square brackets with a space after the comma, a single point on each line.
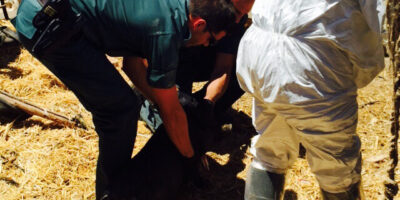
[302, 61]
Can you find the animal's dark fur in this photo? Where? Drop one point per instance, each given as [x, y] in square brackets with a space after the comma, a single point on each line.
[159, 171]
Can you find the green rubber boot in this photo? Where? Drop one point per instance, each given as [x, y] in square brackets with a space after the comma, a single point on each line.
[263, 185]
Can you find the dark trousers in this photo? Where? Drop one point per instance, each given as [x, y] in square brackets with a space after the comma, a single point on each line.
[86, 71]
[196, 64]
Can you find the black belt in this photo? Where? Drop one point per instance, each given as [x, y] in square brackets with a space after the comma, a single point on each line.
[56, 24]
[4, 7]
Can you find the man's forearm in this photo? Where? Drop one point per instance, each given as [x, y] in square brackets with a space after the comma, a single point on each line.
[217, 87]
[220, 76]
[175, 122]
[136, 69]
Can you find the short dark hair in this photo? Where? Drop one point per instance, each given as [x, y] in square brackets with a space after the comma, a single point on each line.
[220, 15]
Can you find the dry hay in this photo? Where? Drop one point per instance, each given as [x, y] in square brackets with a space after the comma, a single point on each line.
[42, 160]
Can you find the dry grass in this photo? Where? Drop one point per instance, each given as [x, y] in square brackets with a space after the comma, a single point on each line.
[42, 160]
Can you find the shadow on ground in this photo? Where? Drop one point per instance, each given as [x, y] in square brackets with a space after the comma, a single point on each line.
[221, 181]
[9, 52]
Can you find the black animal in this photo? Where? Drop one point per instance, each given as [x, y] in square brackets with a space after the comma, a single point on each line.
[158, 171]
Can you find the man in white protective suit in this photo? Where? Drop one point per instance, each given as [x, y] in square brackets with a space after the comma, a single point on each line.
[303, 61]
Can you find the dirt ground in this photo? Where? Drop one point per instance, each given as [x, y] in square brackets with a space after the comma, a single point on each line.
[40, 159]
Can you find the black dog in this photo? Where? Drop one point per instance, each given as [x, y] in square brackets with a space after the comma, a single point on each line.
[159, 171]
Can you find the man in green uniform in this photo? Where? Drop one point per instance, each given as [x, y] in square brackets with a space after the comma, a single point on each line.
[150, 29]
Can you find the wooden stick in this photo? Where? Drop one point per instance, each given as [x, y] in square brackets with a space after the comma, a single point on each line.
[36, 110]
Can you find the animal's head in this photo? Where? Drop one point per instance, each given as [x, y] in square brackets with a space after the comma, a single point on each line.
[201, 125]
[200, 122]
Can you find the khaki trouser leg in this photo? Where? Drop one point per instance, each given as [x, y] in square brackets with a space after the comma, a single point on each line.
[276, 146]
[334, 158]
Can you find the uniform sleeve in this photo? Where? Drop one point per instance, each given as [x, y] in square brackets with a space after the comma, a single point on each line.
[163, 60]
[26, 12]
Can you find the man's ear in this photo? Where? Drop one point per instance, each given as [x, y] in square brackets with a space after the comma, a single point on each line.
[199, 24]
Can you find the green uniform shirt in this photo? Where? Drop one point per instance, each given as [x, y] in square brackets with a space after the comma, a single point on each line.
[152, 29]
